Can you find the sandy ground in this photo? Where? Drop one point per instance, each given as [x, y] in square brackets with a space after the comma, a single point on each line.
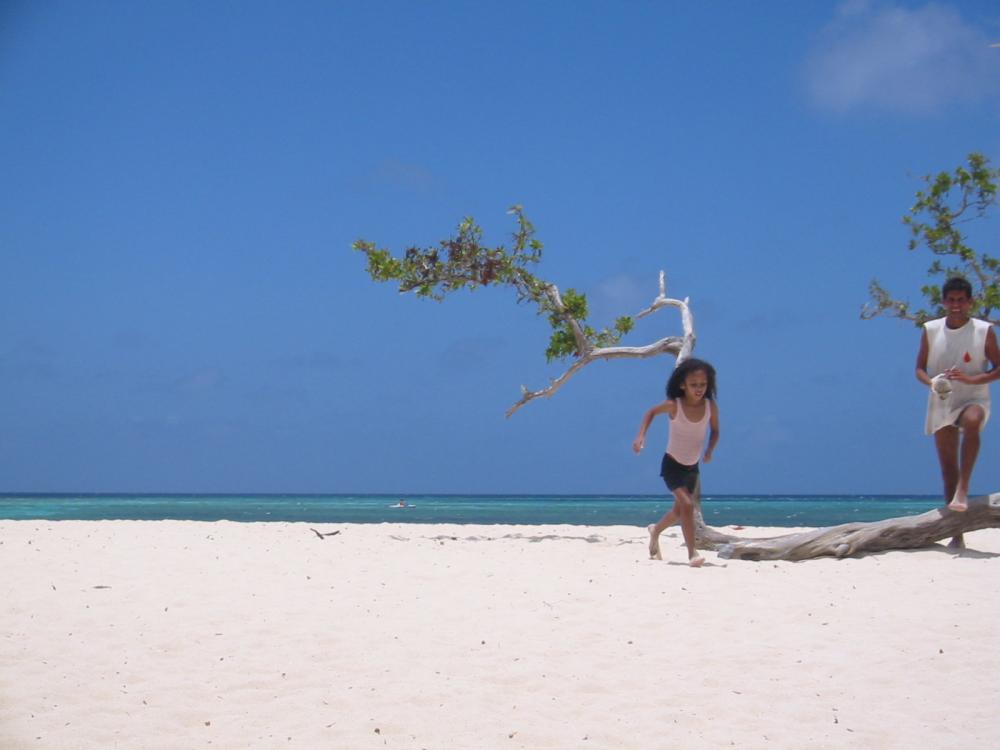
[121, 634]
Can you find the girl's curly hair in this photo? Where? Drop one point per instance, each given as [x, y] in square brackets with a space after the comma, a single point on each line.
[685, 368]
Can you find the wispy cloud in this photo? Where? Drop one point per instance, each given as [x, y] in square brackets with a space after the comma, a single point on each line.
[29, 361]
[199, 381]
[323, 361]
[891, 58]
[769, 432]
[131, 339]
[625, 294]
[405, 176]
[472, 353]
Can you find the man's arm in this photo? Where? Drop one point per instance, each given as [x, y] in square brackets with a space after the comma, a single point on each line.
[921, 371]
[992, 350]
[993, 355]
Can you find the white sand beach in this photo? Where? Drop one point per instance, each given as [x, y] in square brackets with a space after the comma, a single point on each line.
[123, 634]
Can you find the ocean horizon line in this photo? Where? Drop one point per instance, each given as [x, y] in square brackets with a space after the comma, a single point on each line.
[456, 495]
[428, 508]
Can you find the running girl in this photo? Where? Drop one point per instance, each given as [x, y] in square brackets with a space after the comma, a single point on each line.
[690, 405]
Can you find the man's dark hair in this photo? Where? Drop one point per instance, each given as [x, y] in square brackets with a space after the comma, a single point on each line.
[956, 284]
[685, 368]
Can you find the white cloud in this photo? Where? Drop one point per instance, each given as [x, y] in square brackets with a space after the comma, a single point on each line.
[628, 294]
[472, 352]
[898, 59]
[768, 433]
[206, 379]
[414, 178]
[316, 360]
[28, 360]
[623, 292]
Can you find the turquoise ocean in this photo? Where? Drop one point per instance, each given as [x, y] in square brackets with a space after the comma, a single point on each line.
[594, 510]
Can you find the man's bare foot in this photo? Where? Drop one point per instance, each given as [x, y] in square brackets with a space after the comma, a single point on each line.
[654, 543]
[697, 561]
[959, 503]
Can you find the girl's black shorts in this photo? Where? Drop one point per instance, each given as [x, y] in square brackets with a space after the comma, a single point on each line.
[676, 474]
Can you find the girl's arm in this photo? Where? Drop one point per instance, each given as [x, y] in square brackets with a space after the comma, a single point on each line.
[666, 407]
[713, 435]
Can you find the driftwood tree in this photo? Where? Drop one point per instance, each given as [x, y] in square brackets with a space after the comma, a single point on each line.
[464, 262]
[908, 532]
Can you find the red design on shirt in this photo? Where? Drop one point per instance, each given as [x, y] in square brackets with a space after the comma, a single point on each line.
[967, 357]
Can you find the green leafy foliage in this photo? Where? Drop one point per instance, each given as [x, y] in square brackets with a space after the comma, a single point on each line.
[464, 262]
[935, 221]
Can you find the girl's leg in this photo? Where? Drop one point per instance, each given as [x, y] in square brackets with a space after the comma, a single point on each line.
[655, 529]
[684, 507]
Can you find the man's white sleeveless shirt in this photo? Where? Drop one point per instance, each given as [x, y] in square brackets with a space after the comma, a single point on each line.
[964, 348]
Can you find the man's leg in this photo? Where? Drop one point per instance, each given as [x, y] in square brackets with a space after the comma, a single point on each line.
[946, 441]
[971, 422]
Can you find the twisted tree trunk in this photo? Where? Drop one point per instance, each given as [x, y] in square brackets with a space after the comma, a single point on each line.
[706, 537]
[906, 532]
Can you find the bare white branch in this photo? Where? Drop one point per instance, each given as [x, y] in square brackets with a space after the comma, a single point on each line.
[680, 346]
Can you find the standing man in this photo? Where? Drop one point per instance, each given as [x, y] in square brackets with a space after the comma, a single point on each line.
[958, 358]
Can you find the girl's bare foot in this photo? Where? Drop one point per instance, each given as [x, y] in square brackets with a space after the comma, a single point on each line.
[697, 561]
[654, 543]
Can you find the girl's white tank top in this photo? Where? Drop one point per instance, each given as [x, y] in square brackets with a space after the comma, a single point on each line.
[687, 438]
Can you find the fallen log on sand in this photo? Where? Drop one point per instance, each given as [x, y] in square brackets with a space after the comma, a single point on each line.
[906, 532]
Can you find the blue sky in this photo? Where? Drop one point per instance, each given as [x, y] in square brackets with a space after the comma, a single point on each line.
[180, 309]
